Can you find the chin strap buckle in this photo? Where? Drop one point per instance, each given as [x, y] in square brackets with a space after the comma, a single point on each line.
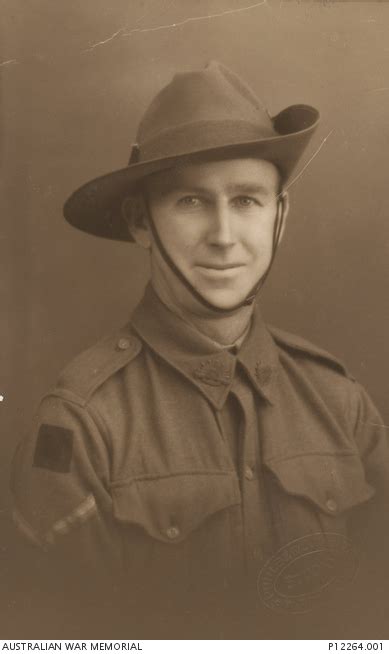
[249, 300]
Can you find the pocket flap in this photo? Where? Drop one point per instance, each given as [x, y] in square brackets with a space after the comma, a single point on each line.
[169, 508]
[334, 482]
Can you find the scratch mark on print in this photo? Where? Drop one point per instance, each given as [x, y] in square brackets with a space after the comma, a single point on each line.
[294, 180]
[9, 62]
[141, 30]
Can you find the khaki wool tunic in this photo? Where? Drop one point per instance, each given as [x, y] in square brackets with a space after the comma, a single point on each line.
[178, 469]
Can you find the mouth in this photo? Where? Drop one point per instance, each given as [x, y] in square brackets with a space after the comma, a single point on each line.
[220, 267]
[220, 273]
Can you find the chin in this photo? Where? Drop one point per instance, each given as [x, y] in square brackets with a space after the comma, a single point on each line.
[225, 301]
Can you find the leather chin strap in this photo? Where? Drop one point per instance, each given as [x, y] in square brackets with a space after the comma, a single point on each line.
[249, 299]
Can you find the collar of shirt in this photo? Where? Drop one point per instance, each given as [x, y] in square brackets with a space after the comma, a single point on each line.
[208, 366]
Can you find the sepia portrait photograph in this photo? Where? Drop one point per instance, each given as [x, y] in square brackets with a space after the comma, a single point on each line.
[194, 242]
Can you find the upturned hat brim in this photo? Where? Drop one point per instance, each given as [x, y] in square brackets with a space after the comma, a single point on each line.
[95, 207]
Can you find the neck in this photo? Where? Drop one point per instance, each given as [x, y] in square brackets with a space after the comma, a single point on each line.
[222, 328]
[225, 330]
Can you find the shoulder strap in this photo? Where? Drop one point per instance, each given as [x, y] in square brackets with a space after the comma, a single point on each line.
[300, 345]
[95, 365]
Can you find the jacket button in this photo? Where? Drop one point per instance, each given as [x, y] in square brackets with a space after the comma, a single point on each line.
[123, 344]
[331, 505]
[249, 473]
[172, 532]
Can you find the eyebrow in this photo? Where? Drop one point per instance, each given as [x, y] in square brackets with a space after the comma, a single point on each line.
[248, 187]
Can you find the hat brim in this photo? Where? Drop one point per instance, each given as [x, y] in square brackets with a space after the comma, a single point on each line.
[95, 207]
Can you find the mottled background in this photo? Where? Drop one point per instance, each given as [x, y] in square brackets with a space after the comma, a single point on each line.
[75, 79]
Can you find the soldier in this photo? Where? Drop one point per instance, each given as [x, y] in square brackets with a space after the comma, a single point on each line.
[198, 457]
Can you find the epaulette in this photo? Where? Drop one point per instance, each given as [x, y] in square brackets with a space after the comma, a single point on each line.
[301, 345]
[94, 366]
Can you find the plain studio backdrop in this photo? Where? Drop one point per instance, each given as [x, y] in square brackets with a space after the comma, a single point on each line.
[76, 78]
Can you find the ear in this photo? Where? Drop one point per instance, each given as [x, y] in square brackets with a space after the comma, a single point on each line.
[284, 200]
[134, 213]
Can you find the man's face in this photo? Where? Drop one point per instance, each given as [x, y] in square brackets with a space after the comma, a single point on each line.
[216, 222]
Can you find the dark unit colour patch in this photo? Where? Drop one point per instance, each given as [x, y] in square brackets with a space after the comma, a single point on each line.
[54, 448]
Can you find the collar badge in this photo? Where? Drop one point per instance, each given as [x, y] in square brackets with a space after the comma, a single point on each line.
[263, 373]
[213, 372]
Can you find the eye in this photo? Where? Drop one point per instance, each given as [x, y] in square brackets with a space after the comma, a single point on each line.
[246, 202]
[190, 201]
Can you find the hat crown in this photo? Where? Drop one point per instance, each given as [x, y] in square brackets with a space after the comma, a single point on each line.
[213, 95]
[199, 116]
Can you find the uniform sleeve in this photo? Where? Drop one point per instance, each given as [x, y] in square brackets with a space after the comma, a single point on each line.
[60, 484]
[371, 525]
[372, 439]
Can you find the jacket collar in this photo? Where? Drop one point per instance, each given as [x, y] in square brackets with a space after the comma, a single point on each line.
[207, 365]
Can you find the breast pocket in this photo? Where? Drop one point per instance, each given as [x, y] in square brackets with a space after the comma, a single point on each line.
[317, 492]
[177, 529]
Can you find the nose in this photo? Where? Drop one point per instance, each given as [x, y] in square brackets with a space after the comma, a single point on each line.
[221, 230]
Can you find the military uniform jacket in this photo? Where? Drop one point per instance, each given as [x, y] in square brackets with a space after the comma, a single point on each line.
[130, 468]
